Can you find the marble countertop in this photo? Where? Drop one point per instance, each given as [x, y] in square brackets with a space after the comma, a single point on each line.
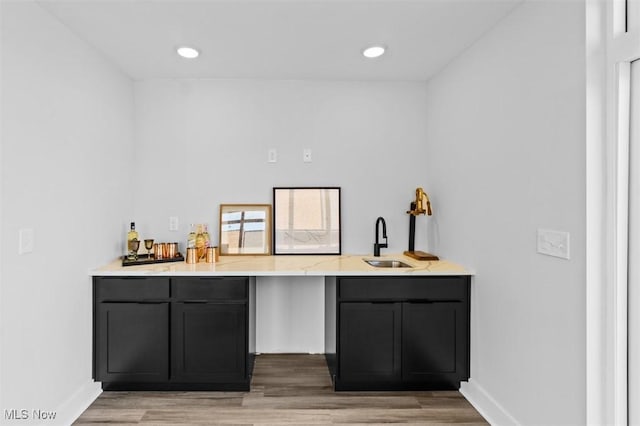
[304, 265]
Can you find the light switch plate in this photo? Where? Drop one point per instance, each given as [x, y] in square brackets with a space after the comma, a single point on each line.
[26, 240]
[173, 223]
[272, 155]
[306, 155]
[553, 243]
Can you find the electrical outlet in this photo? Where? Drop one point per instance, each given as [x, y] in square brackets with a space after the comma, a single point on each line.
[173, 223]
[26, 240]
[272, 156]
[306, 155]
[553, 243]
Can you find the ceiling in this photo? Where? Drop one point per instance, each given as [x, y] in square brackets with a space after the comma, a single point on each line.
[280, 39]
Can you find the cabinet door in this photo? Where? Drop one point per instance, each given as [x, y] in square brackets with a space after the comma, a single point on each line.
[132, 343]
[369, 342]
[435, 343]
[209, 342]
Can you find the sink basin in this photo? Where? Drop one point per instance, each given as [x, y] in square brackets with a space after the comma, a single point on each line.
[387, 263]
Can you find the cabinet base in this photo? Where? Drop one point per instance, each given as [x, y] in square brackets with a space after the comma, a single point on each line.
[235, 386]
[232, 387]
[387, 386]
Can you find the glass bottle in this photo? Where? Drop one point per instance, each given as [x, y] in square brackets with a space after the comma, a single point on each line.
[191, 240]
[207, 239]
[201, 249]
[131, 236]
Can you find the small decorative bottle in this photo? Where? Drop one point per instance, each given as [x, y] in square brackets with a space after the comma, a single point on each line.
[191, 240]
[201, 249]
[207, 239]
[132, 248]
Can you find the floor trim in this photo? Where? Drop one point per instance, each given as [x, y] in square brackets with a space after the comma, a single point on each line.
[484, 403]
[69, 411]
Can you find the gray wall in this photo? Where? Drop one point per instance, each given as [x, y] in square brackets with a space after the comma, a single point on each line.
[506, 143]
[67, 132]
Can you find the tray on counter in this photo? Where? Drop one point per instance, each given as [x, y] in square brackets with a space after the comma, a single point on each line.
[145, 259]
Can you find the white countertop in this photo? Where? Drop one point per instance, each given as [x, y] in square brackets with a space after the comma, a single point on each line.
[303, 265]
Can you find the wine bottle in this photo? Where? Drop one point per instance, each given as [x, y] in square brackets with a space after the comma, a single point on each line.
[191, 240]
[200, 244]
[207, 238]
[132, 235]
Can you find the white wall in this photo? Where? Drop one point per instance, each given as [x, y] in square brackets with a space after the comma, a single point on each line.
[67, 132]
[290, 315]
[506, 143]
[200, 143]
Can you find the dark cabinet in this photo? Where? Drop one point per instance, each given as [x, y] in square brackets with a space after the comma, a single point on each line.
[370, 341]
[400, 333]
[132, 344]
[434, 345]
[209, 342]
[163, 333]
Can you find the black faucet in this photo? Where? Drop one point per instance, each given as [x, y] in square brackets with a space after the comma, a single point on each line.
[377, 246]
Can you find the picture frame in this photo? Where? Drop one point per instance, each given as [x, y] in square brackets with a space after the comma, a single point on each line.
[245, 229]
[307, 220]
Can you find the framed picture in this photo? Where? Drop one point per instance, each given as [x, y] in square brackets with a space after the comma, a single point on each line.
[245, 229]
[306, 221]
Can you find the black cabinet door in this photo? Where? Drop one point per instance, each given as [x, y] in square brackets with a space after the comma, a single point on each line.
[435, 343]
[132, 343]
[369, 342]
[209, 342]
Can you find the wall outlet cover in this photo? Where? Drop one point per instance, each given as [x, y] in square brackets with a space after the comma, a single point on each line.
[173, 223]
[272, 155]
[26, 240]
[553, 243]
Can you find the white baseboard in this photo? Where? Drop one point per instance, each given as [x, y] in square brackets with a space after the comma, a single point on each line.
[76, 404]
[493, 412]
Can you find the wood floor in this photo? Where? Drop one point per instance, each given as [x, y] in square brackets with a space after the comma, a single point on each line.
[286, 390]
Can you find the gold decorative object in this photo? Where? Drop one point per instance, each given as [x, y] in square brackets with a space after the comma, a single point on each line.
[416, 208]
[419, 206]
[133, 246]
[148, 244]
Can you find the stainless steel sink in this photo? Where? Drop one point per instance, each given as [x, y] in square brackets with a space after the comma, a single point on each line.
[387, 263]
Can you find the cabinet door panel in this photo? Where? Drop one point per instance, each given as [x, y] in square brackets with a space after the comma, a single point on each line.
[209, 342]
[370, 336]
[434, 346]
[132, 343]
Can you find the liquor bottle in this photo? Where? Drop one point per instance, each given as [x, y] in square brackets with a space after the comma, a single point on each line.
[201, 249]
[191, 240]
[132, 235]
[207, 238]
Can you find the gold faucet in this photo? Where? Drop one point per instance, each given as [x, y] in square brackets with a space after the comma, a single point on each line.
[419, 209]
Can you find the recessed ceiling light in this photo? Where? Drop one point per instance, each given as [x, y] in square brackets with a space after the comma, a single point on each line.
[188, 52]
[374, 51]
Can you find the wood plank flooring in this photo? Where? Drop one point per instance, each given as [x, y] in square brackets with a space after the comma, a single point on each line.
[286, 390]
